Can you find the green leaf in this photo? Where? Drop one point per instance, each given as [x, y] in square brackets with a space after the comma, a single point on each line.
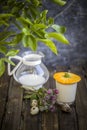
[4, 43]
[59, 29]
[42, 33]
[33, 11]
[36, 2]
[28, 0]
[58, 36]
[14, 10]
[5, 15]
[30, 41]
[50, 21]
[16, 39]
[4, 35]
[24, 21]
[3, 49]
[39, 33]
[26, 31]
[2, 22]
[50, 44]
[8, 61]
[12, 52]
[2, 67]
[25, 41]
[43, 16]
[27, 96]
[33, 96]
[59, 2]
[39, 26]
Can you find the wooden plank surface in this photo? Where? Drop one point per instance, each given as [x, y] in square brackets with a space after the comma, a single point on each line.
[85, 74]
[4, 83]
[12, 116]
[15, 111]
[50, 119]
[67, 121]
[28, 121]
[81, 99]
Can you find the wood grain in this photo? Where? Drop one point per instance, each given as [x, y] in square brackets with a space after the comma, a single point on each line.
[81, 99]
[15, 111]
[4, 86]
[13, 107]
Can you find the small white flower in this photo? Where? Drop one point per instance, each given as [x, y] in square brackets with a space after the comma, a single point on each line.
[41, 108]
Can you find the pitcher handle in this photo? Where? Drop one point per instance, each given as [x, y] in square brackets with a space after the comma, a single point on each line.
[15, 68]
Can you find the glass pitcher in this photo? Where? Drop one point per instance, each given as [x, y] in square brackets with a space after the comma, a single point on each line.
[30, 71]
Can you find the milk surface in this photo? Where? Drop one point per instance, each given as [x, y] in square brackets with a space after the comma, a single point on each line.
[31, 80]
[67, 93]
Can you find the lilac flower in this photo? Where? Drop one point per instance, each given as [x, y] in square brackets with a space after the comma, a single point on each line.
[47, 97]
[48, 100]
[49, 91]
[53, 99]
[56, 91]
[52, 108]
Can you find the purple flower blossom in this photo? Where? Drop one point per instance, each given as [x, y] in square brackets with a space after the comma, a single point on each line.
[48, 100]
[52, 108]
[47, 97]
[53, 97]
[49, 91]
[55, 91]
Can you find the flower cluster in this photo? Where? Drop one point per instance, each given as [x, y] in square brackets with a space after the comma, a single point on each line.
[42, 100]
[47, 102]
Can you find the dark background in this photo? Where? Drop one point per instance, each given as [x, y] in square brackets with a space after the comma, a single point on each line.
[74, 16]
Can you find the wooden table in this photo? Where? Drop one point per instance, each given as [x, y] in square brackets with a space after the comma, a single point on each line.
[15, 111]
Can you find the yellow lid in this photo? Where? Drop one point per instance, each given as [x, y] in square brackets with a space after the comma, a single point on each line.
[66, 77]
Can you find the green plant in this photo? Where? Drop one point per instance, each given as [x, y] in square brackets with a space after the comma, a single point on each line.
[46, 98]
[24, 22]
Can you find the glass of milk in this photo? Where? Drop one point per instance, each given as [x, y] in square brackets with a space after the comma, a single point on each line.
[66, 83]
[67, 92]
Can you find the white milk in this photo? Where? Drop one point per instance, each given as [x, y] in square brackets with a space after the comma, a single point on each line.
[67, 93]
[31, 80]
